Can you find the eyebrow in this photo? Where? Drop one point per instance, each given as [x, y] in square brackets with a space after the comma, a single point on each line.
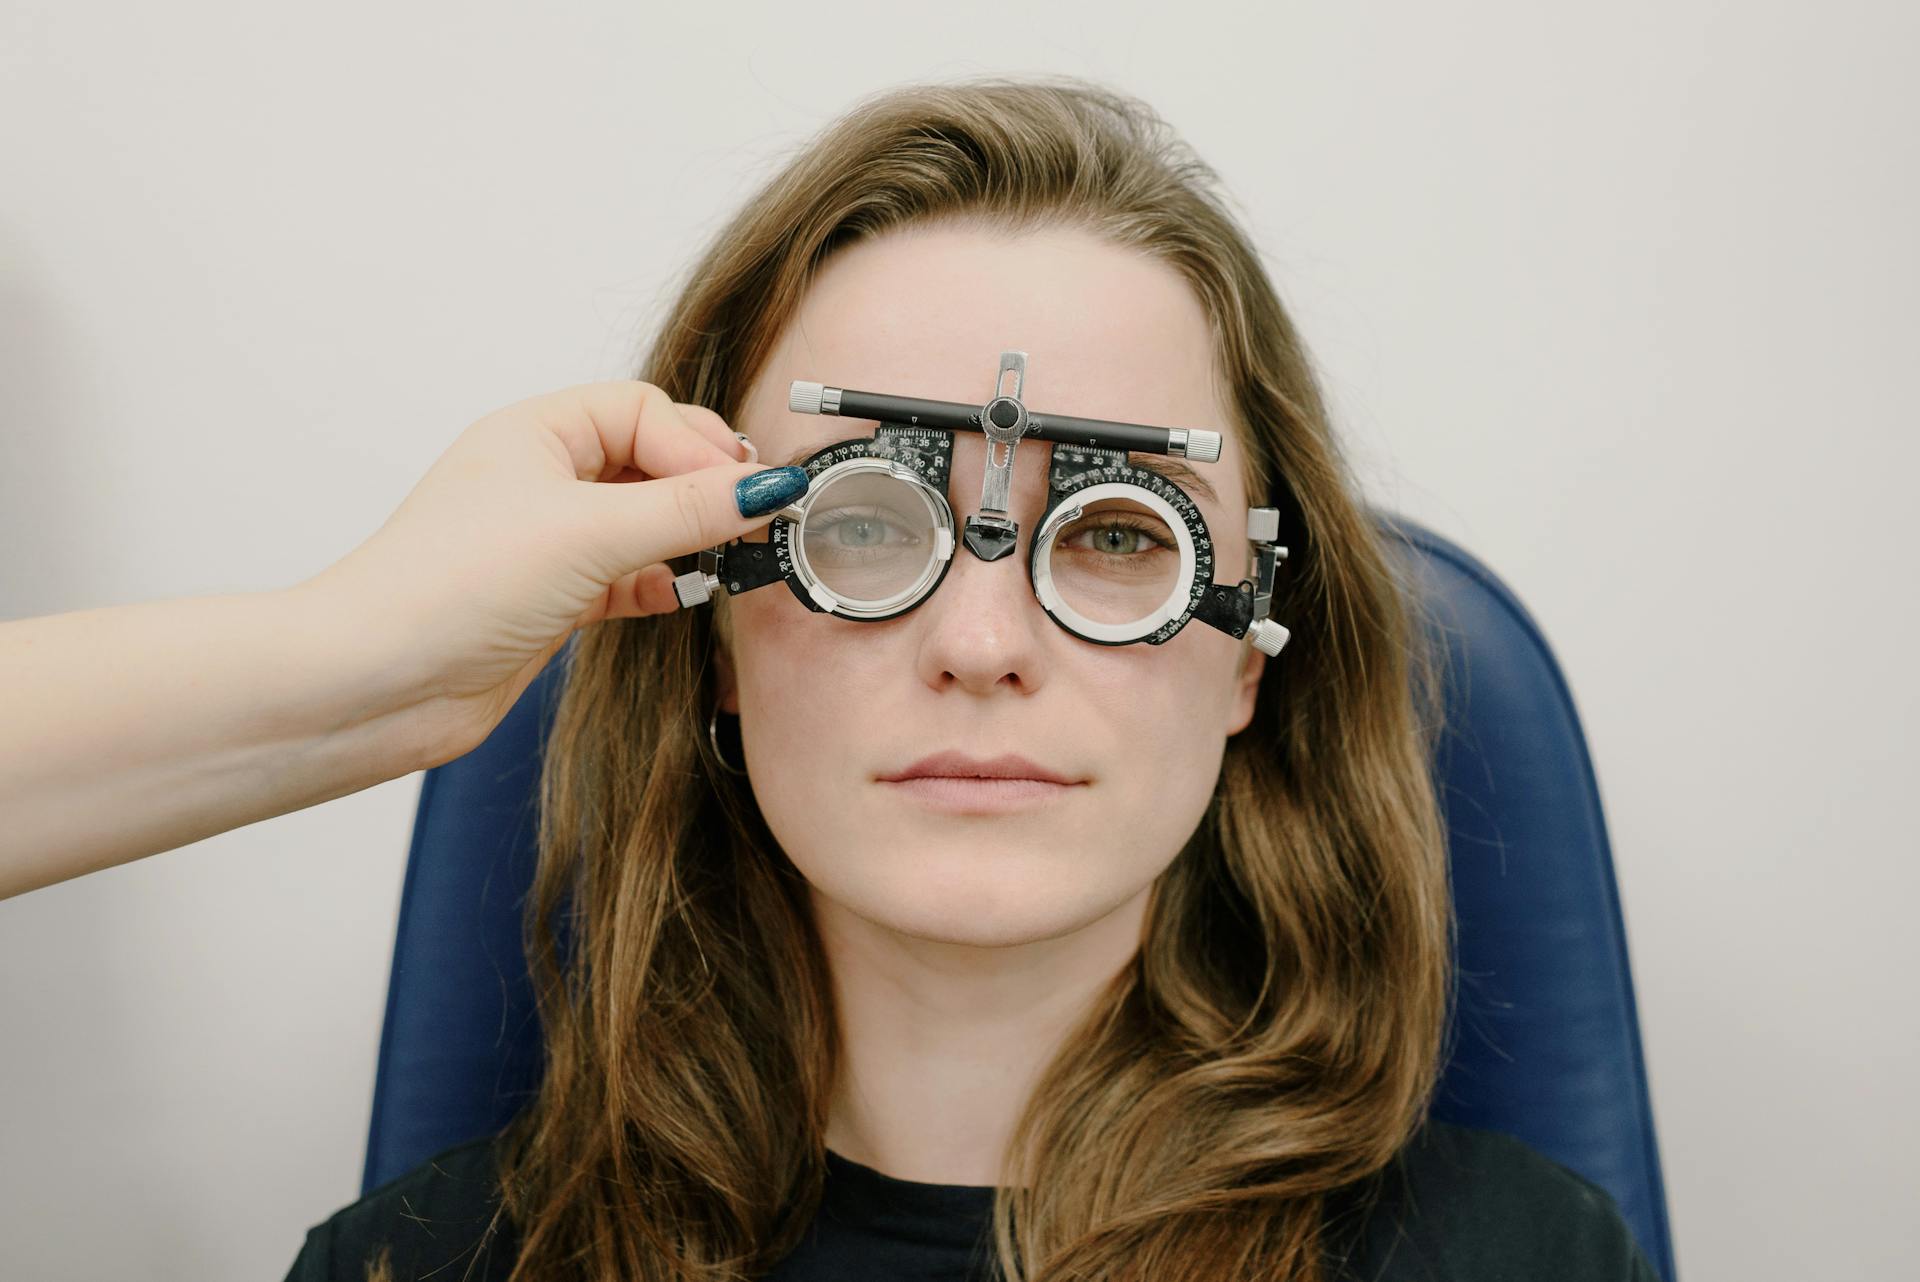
[1174, 470]
[1171, 468]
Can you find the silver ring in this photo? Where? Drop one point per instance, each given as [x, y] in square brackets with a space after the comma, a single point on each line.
[713, 737]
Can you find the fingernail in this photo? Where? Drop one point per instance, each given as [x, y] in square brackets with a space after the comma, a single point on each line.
[749, 453]
[769, 491]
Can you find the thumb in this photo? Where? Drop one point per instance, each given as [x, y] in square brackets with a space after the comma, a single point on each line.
[640, 523]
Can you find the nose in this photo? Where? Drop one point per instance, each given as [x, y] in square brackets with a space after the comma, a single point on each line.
[982, 628]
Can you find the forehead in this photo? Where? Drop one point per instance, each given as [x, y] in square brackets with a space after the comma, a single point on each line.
[926, 311]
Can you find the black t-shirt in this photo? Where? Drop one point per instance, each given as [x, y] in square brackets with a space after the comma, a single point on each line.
[1456, 1203]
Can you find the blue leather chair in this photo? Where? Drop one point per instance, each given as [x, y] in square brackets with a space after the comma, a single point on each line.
[1546, 1041]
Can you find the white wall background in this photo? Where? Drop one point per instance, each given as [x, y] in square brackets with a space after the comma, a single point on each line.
[1620, 297]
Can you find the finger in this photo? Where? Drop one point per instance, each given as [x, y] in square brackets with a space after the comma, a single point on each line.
[648, 590]
[737, 447]
[629, 527]
[710, 425]
[610, 426]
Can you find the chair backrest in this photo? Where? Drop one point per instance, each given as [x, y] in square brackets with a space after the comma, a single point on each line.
[1545, 1044]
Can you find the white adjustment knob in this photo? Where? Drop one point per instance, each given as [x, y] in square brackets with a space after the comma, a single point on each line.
[804, 397]
[1203, 446]
[694, 588]
[1268, 636]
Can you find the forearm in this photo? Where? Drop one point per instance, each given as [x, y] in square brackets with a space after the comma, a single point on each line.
[129, 730]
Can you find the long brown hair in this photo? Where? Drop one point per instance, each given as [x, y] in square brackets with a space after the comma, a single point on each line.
[1276, 1038]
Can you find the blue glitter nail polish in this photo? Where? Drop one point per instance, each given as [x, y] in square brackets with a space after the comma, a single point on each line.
[768, 491]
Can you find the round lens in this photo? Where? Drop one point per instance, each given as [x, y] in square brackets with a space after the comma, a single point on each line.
[868, 538]
[1116, 563]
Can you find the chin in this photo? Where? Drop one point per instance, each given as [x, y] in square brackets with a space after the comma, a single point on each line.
[940, 924]
[966, 896]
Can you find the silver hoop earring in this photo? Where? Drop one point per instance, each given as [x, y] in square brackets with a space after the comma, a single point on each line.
[713, 737]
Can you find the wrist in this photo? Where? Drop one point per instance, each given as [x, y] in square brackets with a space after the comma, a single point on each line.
[377, 683]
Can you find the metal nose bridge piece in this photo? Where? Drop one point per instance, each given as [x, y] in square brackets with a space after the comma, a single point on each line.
[991, 531]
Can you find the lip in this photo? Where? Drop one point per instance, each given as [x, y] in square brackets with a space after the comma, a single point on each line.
[958, 784]
[958, 765]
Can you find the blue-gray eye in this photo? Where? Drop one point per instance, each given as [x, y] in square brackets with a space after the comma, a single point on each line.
[862, 530]
[1120, 537]
[856, 528]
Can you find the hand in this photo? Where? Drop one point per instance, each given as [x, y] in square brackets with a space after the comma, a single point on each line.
[548, 515]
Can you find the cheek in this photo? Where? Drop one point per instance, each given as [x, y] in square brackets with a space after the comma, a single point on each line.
[1162, 743]
[1153, 723]
[774, 630]
[808, 687]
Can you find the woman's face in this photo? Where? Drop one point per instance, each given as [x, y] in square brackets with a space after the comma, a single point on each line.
[829, 706]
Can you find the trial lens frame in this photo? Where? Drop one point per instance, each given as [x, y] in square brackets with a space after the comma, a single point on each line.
[1089, 460]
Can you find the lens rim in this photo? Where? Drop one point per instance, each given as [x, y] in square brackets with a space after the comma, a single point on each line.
[1179, 601]
[792, 536]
